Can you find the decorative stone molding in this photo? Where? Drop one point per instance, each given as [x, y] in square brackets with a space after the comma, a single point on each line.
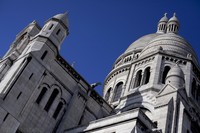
[122, 70]
[69, 68]
[145, 61]
[175, 60]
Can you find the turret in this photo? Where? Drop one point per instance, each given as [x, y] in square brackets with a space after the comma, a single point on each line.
[22, 39]
[175, 77]
[173, 25]
[56, 29]
[162, 24]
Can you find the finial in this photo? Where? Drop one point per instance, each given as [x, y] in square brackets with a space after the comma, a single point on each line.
[165, 15]
[66, 13]
[174, 14]
[34, 22]
[73, 63]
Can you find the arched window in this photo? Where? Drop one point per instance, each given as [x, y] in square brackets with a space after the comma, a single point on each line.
[146, 75]
[51, 99]
[118, 91]
[193, 88]
[138, 78]
[41, 95]
[107, 94]
[58, 109]
[165, 72]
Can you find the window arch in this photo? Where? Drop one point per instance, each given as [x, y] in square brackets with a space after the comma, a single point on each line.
[41, 95]
[138, 78]
[58, 109]
[108, 94]
[118, 91]
[165, 72]
[146, 75]
[51, 99]
[193, 91]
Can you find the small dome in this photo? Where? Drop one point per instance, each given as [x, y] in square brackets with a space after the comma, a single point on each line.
[62, 18]
[174, 18]
[175, 77]
[164, 18]
[176, 71]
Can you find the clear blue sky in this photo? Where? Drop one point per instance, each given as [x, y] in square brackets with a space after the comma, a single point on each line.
[100, 30]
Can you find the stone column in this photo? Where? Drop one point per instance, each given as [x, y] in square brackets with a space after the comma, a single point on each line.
[188, 77]
[155, 73]
[130, 80]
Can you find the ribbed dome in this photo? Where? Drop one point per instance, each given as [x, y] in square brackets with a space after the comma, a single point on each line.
[172, 44]
[140, 43]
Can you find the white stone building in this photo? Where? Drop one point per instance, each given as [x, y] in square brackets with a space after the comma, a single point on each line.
[154, 85]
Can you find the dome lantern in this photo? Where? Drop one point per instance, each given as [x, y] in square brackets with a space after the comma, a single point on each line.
[162, 24]
[173, 25]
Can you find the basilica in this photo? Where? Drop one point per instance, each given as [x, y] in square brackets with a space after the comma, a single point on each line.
[153, 87]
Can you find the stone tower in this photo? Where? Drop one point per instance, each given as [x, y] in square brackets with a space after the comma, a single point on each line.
[39, 91]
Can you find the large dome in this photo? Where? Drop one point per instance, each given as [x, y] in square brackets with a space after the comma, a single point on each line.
[170, 43]
[140, 43]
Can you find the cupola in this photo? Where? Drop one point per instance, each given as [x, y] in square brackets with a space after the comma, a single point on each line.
[162, 24]
[173, 25]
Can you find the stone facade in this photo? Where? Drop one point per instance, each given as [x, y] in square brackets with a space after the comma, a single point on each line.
[154, 85]
[39, 91]
[158, 73]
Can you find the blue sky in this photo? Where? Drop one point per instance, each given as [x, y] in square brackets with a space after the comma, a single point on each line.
[100, 30]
